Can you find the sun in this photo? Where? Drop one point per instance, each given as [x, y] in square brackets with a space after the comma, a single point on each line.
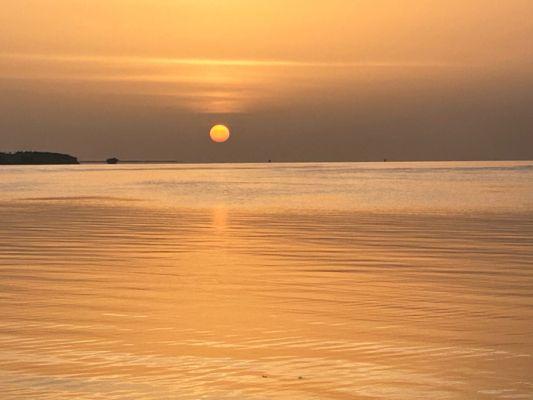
[219, 133]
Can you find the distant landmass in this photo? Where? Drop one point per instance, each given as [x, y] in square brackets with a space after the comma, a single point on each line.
[36, 158]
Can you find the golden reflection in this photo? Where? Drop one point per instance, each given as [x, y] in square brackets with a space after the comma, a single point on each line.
[220, 219]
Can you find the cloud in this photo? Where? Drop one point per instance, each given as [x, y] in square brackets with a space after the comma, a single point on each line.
[196, 84]
[164, 61]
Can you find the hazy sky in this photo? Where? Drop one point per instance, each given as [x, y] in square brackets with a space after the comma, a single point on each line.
[294, 79]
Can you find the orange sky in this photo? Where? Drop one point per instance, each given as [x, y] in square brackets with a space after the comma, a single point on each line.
[264, 67]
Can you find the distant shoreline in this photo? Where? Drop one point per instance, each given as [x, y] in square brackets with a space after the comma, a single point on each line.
[36, 158]
[51, 158]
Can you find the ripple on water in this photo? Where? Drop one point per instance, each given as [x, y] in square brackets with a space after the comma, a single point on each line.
[108, 299]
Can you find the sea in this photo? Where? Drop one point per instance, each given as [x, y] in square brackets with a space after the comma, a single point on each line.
[267, 281]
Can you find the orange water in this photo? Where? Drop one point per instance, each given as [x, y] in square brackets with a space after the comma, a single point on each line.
[303, 281]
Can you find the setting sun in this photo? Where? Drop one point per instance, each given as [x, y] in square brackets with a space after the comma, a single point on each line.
[219, 133]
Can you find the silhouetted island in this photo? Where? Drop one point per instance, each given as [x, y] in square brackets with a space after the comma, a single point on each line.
[35, 158]
[113, 160]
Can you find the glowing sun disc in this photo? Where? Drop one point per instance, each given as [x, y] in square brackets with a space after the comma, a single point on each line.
[219, 133]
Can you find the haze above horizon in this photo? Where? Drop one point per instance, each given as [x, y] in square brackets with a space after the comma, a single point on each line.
[343, 80]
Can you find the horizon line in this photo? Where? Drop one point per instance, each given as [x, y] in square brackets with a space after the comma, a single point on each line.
[382, 161]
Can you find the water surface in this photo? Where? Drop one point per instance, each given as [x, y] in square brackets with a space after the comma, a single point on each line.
[283, 281]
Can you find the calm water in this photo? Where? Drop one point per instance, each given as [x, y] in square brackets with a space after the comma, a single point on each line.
[284, 281]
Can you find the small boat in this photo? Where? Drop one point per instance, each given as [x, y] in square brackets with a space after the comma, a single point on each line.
[113, 160]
